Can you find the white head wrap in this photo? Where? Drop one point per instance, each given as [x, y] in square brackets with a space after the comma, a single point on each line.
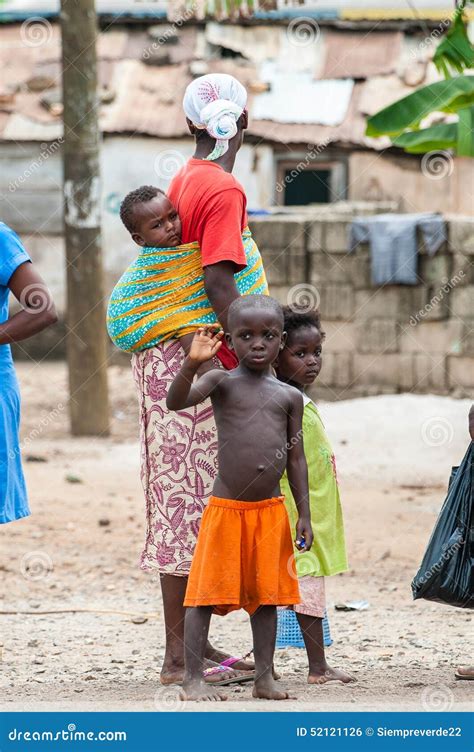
[215, 102]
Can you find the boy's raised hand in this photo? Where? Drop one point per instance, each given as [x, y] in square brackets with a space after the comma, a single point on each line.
[205, 344]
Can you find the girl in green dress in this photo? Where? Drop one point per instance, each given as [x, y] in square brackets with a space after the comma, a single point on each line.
[299, 364]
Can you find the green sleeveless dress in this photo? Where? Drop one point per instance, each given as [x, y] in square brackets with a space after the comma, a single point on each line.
[328, 552]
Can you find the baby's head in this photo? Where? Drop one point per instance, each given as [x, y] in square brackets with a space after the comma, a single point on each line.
[256, 333]
[299, 363]
[151, 218]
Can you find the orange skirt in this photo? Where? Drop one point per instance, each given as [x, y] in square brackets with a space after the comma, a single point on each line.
[243, 557]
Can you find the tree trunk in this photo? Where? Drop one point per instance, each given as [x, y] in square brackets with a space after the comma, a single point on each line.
[86, 339]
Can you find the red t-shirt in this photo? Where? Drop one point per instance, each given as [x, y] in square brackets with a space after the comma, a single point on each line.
[212, 205]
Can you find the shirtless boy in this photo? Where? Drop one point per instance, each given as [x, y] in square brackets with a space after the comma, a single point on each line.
[244, 544]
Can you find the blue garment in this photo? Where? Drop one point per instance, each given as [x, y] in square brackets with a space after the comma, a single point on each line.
[13, 496]
[394, 246]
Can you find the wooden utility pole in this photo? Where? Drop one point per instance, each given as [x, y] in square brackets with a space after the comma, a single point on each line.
[87, 338]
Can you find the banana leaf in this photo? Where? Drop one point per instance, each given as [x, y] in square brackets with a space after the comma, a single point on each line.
[465, 145]
[231, 9]
[436, 138]
[455, 53]
[444, 96]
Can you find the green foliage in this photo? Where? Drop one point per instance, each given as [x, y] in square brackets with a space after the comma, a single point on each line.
[436, 138]
[231, 9]
[465, 144]
[450, 95]
[401, 120]
[455, 53]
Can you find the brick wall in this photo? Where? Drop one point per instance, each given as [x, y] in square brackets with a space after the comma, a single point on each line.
[378, 339]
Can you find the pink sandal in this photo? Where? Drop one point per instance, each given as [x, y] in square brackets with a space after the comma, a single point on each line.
[240, 676]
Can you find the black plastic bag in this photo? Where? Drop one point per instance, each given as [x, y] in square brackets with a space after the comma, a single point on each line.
[446, 572]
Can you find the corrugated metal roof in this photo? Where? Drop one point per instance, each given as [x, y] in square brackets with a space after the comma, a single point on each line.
[256, 43]
[285, 9]
[27, 8]
[350, 132]
[146, 99]
[298, 98]
[360, 55]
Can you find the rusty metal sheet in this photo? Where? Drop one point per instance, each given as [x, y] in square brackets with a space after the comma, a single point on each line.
[360, 54]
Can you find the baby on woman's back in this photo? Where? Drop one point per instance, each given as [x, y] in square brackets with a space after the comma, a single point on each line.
[149, 284]
[162, 293]
[151, 218]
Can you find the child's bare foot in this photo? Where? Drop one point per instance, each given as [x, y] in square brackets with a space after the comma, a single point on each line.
[266, 689]
[199, 691]
[464, 672]
[171, 673]
[323, 674]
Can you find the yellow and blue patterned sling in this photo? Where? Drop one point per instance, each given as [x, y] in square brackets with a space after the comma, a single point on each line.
[161, 295]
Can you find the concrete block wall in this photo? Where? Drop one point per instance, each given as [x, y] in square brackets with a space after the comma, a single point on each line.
[379, 339]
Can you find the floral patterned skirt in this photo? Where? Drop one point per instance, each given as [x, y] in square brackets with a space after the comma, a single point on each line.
[313, 597]
[178, 462]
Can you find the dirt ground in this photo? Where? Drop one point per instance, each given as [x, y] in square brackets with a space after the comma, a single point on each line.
[81, 626]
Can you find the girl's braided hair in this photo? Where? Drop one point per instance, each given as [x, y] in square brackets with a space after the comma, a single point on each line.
[297, 317]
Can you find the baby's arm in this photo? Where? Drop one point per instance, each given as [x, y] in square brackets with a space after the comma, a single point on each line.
[183, 393]
[297, 472]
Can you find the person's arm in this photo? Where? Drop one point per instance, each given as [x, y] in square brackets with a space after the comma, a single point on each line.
[221, 289]
[38, 308]
[182, 392]
[222, 250]
[471, 422]
[297, 472]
